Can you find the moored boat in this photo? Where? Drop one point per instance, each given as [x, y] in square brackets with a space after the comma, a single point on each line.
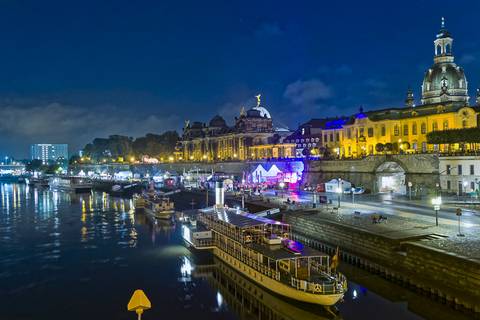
[261, 249]
[70, 183]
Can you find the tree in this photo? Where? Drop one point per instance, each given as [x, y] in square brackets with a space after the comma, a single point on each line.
[388, 147]
[379, 147]
[34, 165]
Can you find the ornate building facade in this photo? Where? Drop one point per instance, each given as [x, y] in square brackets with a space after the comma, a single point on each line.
[253, 136]
[444, 106]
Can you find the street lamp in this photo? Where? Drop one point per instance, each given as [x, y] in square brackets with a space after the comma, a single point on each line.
[436, 202]
[339, 192]
[459, 214]
[410, 184]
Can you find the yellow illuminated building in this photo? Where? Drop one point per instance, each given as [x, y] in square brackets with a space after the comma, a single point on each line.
[444, 106]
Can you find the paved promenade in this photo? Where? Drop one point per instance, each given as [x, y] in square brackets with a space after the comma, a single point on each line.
[402, 223]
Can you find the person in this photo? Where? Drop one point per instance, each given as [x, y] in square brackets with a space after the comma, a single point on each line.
[288, 200]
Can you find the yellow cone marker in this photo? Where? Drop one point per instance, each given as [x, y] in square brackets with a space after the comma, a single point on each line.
[138, 303]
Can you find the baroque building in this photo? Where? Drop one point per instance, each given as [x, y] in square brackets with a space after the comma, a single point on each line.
[444, 106]
[253, 136]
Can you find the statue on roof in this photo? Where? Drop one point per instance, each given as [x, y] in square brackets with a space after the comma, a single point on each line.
[243, 113]
[187, 124]
[258, 99]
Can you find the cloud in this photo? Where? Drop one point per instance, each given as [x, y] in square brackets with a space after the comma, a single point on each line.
[268, 30]
[59, 123]
[375, 83]
[467, 58]
[340, 70]
[307, 92]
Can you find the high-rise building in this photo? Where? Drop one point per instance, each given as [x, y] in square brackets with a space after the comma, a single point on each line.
[48, 152]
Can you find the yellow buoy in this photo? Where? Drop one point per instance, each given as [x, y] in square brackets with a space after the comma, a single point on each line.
[138, 303]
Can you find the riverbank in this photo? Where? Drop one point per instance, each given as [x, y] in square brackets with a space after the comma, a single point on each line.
[413, 252]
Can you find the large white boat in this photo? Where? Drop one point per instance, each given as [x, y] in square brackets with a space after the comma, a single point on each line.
[69, 183]
[261, 249]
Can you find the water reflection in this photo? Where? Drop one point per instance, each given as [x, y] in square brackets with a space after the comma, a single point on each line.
[250, 301]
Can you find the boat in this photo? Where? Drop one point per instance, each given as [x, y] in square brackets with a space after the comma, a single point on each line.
[252, 301]
[37, 181]
[155, 204]
[70, 183]
[125, 190]
[262, 250]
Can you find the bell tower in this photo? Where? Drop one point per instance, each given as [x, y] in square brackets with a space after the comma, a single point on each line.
[443, 45]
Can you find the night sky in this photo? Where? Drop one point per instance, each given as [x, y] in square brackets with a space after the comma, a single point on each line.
[74, 70]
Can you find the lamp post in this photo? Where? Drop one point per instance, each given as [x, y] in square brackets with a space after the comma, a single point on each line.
[410, 184]
[339, 191]
[436, 202]
[459, 215]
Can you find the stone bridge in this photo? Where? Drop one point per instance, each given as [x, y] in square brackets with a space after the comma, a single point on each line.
[420, 169]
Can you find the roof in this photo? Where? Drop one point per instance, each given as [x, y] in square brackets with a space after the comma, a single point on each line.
[240, 218]
[279, 252]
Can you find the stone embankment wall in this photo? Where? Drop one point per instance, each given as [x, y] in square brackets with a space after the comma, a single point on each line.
[420, 168]
[453, 279]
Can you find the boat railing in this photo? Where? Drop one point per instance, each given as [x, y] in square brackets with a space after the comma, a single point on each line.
[318, 288]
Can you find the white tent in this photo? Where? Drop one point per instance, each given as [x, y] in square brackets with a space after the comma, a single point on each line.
[334, 184]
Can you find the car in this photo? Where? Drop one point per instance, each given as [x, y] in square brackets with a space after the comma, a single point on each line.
[357, 190]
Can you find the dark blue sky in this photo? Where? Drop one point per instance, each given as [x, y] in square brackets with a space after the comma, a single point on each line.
[74, 70]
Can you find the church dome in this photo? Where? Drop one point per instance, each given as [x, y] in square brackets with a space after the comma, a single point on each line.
[259, 110]
[444, 81]
[217, 122]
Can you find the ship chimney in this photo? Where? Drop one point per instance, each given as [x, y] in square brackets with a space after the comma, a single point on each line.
[219, 194]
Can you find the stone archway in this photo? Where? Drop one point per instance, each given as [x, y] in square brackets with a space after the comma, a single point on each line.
[390, 177]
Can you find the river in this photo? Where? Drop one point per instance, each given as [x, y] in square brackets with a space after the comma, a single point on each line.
[81, 256]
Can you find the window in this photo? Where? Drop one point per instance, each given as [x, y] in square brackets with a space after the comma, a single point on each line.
[383, 131]
[459, 169]
[303, 140]
[464, 123]
[449, 186]
[424, 146]
[405, 129]
[370, 132]
[472, 170]
[303, 131]
[331, 137]
[448, 169]
[445, 125]
[414, 128]
[349, 133]
[472, 186]
[423, 128]
[362, 131]
[325, 138]
[337, 136]
[396, 130]
[434, 126]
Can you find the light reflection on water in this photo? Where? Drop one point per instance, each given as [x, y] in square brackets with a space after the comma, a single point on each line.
[79, 256]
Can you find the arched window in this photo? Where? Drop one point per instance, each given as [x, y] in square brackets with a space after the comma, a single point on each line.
[414, 128]
[396, 130]
[445, 125]
[423, 128]
[434, 126]
[405, 129]
[448, 49]
[438, 51]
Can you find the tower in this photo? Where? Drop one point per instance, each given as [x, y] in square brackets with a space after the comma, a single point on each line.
[444, 81]
[478, 97]
[410, 100]
[443, 45]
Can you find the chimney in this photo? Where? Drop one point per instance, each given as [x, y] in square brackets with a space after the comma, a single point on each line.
[219, 194]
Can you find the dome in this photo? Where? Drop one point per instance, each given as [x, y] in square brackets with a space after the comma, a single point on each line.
[218, 122]
[444, 82]
[263, 112]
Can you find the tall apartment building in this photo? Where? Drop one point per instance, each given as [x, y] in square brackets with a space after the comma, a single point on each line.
[48, 152]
